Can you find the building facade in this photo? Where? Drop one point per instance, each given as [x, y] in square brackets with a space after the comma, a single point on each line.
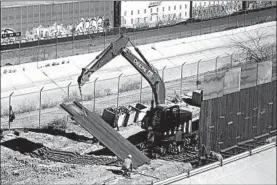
[152, 13]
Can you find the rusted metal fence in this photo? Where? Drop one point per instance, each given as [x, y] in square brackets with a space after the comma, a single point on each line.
[229, 118]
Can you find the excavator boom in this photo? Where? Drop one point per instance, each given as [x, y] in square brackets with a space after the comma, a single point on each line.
[144, 68]
[113, 50]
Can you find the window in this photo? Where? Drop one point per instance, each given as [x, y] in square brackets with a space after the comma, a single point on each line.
[131, 21]
[124, 21]
[145, 19]
[204, 3]
[138, 11]
[157, 9]
[175, 7]
[180, 14]
[185, 13]
[151, 10]
[132, 12]
[125, 13]
[163, 9]
[200, 3]
[180, 6]
[144, 10]
[150, 18]
[186, 6]
[169, 8]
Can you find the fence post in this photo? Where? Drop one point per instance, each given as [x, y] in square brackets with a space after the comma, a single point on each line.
[104, 39]
[39, 113]
[244, 17]
[94, 91]
[140, 92]
[216, 64]
[56, 43]
[197, 81]
[181, 83]
[232, 60]
[118, 89]
[38, 58]
[68, 90]
[10, 99]
[19, 51]
[228, 19]
[163, 73]
[88, 41]
[72, 43]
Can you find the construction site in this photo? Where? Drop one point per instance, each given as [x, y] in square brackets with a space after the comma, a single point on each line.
[179, 107]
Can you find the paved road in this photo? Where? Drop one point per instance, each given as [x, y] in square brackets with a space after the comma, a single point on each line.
[257, 169]
[97, 44]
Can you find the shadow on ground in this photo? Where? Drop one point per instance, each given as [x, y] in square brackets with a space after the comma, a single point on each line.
[134, 139]
[116, 172]
[22, 145]
[69, 135]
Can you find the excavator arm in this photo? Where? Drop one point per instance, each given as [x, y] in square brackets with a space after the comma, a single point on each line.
[149, 73]
[144, 68]
[113, 50]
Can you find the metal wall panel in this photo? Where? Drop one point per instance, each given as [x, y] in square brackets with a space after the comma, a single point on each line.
[274, 102]
[248, 76]
[222, 126]
[264, 72]
[232, 80]
[61, 13]
[274, 68]
[214, 122]
[42, 14]
[213, 85]
[36, 17]
[238, 116]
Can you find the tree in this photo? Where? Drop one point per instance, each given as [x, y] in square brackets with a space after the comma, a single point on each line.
[259, 47]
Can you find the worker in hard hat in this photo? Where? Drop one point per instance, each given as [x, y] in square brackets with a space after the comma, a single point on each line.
[127, 166]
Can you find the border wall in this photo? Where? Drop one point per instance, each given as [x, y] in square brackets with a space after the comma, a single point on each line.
[239, 105]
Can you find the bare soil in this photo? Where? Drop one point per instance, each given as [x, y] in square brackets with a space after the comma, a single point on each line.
[18, 167]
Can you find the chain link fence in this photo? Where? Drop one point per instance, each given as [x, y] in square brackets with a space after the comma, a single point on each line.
[42, 107]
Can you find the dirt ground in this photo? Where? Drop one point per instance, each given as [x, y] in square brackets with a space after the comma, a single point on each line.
[18, 167]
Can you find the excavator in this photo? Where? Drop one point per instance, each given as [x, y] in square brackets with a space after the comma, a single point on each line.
[162, 118]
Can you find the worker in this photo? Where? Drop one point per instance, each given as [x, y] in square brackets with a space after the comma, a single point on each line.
[11, 114]
[203, 155]
[194, 142]
[127, 166]
[179, 140]
[150, 140]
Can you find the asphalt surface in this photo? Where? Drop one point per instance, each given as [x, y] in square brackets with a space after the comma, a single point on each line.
[34, 54]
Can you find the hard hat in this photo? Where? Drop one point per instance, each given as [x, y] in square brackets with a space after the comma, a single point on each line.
[130, 156]
[149, 128]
